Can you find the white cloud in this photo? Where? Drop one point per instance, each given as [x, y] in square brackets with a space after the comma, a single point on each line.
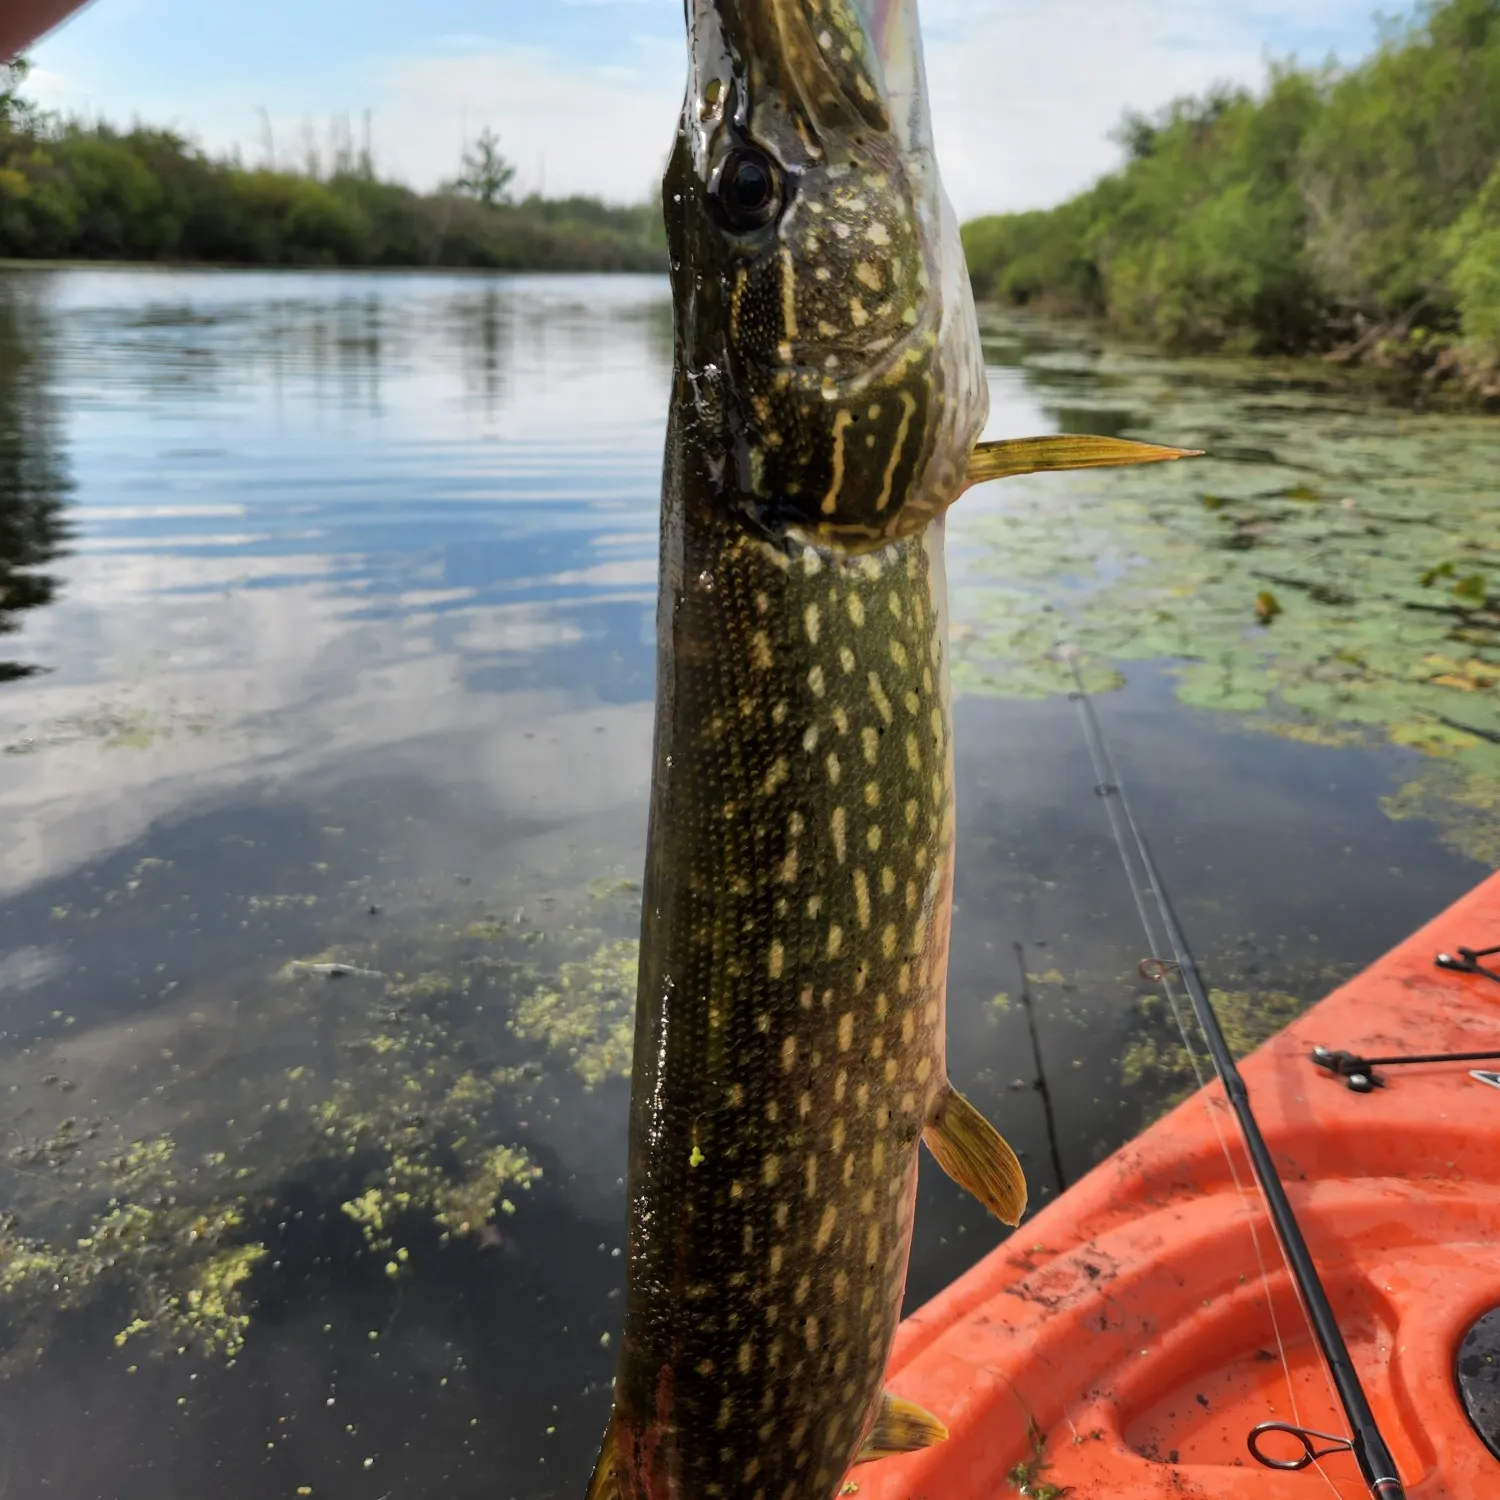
[604, 130]
[1024, 95]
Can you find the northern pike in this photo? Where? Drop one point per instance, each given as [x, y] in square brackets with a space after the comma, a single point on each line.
[828, 397]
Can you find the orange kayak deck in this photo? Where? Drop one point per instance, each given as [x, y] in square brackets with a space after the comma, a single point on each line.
[1121, 1344]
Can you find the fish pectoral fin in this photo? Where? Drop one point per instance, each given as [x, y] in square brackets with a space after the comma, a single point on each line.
[901, 1427]
[605, 1484]
[1043, 455]
[974, 1154]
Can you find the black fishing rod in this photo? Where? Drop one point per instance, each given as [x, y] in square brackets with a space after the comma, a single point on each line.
[1366, 1443]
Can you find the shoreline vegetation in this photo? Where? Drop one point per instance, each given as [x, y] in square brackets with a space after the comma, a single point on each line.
[1351, 215]
[1346, 215]
[74, 190]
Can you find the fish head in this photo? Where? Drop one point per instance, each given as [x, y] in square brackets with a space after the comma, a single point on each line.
[825, 324]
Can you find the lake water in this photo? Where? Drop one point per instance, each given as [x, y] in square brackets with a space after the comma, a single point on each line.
[326, 623]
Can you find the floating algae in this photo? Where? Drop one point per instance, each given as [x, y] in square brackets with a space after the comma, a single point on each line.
[1158, 1063]
[590, 1013]
[403, 1120]
[1328, 573]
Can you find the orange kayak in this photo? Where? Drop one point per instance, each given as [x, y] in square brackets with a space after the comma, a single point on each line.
[1124, 1343]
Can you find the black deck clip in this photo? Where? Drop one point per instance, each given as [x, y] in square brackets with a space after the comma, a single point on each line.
[1467, 962]
[1357, 1072]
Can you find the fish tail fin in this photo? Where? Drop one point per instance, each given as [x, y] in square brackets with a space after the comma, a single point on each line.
[900, 1427]
[1044, 455]
[974, 1154]
[605, 1484]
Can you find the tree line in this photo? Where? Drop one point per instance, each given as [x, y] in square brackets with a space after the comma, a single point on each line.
[1352, 213]
[76, 189]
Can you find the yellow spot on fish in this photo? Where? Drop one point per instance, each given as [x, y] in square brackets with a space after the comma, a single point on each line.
[810, 738]
[841, 423]
[815, 681]
[804, 1286]
[811, 1332]
[862, 898]
[841, 720]
[874, 837]
[746, 1357]
[770, 1170]
[898, 655]
[835, 941]
[887, 880]
[846, 658]
[840, 1290]
[787, 870]
[869, 276]
[877, 233]
[924, 1070]
[909, 407]
[810, 1175]
[872, 794]
[891, 1069]
[736, 1189]
[825, 1227]
[814, 908]
[760, 652]
[840, 1085]
[835, 770]
[913, 754]
[879, 699]
[888, 940]
[788, 1053]
[812, 621]
[871, 741]
[856, 608]
[776, 959]
[780, 772]
[846, 1031]
[779, 712]
[848, 1169]
[804, 1105]
[778, 1254]
[838, 824]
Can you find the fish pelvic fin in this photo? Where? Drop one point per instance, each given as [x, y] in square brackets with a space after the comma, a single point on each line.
[605, 1484]
[900, 1427]
[974, 1154]
[1045, 455]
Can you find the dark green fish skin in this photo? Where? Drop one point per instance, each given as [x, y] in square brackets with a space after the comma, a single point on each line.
[790, 1037]
[789, 1050]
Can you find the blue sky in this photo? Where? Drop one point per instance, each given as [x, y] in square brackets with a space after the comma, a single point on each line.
[584, 93]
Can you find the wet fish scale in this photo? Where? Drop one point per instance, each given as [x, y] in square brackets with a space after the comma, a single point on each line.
[791, 1045]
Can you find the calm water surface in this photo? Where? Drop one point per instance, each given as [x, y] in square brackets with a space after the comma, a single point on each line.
[326, 623]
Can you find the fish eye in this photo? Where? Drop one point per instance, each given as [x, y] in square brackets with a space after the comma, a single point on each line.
[748, 189]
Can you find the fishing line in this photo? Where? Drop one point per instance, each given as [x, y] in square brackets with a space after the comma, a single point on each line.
[1155, 971]
[1366, 1442]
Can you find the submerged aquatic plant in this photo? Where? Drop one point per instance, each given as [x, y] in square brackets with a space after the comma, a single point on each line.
[405, 1127]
